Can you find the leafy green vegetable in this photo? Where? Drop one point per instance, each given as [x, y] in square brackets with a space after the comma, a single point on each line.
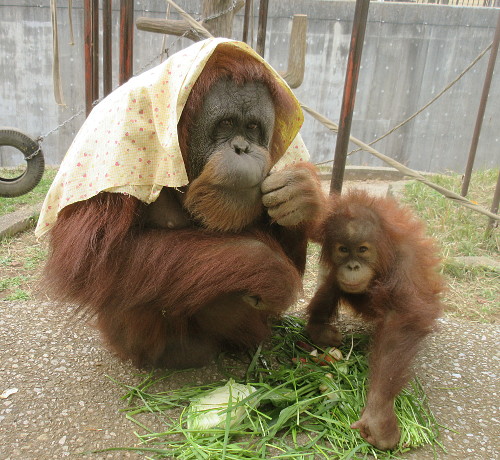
[211, 409]
[300, 409]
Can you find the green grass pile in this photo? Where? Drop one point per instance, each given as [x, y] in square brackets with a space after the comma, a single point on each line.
[288, 417]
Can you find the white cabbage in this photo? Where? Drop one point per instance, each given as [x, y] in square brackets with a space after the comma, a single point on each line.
[210, 411]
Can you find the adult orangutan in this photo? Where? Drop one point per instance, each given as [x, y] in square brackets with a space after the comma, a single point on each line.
[376, 258]
[209, 139]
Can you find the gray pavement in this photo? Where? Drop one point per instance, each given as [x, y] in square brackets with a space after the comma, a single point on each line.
[66, 404]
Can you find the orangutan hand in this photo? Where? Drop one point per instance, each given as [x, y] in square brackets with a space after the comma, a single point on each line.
[293, 196]
[379, 428]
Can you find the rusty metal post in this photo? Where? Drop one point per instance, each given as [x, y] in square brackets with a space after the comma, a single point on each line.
[126, 39]
[494, 208]
[246, 21]
[107, 59]
[482, 107]
[89, 55]
[95, 50]
[351, 81]
[87, 33]
[261, 33]
[91, 51]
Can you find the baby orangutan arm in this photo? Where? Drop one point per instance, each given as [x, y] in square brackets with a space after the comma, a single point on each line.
[322, 310]
[167, 211]
[395, 343]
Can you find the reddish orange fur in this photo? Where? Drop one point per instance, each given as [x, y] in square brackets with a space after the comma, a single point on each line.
[408, 258]
[232, 214]
[147, 287]
[402, 300]
[174, 297]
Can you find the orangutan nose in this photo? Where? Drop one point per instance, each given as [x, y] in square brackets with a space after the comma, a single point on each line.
[353, 266]
[240, 145]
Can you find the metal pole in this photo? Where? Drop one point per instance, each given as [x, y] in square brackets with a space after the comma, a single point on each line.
[106, 47]
[494, 208]
[351, 81]
[126, 39]
[482, 107]
[246, 22]
[95, 50]
[87, 32]
[261, 33]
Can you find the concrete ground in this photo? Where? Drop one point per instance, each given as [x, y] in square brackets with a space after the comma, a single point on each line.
[66, 404]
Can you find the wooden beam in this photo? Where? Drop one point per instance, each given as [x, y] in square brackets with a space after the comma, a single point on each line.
[294, 75]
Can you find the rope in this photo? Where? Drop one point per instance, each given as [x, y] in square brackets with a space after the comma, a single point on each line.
[56, 72]
[164, 48]
[197, 28]
[434, 99]
[42, 137]
[402, 168]
[221, 13]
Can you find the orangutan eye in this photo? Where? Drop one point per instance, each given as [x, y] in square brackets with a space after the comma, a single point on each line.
[226, 123]
[362, 249]
[252, 126]
[343, 249]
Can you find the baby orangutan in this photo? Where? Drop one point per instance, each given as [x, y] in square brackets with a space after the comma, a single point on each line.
[376, 258]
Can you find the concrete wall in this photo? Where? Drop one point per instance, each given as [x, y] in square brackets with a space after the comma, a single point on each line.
[411, 52]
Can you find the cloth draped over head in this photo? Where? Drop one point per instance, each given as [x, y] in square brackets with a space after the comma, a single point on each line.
[129, 142]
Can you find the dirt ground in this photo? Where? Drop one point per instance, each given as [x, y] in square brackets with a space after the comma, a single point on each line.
[66, 403]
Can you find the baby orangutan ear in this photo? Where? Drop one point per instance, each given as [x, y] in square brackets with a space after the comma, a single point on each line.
[293, 196]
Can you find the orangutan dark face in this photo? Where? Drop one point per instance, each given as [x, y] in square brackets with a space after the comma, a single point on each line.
[229, 156]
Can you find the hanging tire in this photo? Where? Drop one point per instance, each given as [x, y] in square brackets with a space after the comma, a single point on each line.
[35, 164]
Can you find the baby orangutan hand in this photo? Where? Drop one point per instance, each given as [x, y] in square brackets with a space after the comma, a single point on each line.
[324, 334]
[379, 427]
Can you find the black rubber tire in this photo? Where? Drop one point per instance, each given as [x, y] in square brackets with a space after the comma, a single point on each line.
[29, 179]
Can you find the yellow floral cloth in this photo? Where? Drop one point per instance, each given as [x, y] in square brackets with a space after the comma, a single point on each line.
[129, 143]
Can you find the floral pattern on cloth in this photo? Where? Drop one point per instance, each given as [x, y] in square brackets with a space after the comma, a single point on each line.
[129, 143]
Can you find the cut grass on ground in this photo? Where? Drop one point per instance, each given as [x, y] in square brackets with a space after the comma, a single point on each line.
[301, 409]
[299, 421]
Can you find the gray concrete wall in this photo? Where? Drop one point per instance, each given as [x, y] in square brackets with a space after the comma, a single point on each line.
[411, 52]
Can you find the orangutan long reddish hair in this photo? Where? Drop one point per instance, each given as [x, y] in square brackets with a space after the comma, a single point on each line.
[174, 286]
[376, 258]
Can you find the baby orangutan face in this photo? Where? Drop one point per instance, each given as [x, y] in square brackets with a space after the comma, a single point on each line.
[354, 263]
[354, 255]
